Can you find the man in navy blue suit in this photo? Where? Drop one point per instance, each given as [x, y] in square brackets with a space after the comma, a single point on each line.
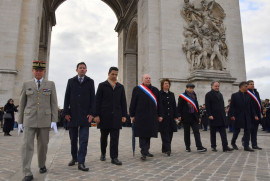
[79, 108]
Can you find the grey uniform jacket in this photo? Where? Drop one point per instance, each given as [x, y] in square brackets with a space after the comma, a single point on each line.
[38, 108]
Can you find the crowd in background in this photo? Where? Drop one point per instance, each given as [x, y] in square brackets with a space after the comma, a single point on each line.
[9, 124]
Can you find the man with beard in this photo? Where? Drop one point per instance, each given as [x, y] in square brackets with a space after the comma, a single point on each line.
[79, 108]
[217, 117]
[145, 112]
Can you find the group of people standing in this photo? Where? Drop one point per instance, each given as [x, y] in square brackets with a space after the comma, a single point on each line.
[151, 111]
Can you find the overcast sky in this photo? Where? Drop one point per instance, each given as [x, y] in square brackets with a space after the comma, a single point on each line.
[85, 32]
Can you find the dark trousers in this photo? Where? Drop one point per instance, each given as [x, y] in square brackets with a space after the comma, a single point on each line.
[253, 134]
[114, 141]
[144, 145]
[8, 125]
[204, 123]
[166, 138]
[245, 139]
[223, 136]
[83, 133]
[195, 127]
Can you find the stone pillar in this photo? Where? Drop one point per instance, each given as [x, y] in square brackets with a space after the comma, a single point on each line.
[10, 12]
[149, 49]
[28, 41]
[130, 72]
[121, 56]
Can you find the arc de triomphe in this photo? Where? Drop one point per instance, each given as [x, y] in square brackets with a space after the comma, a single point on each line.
[184, 40]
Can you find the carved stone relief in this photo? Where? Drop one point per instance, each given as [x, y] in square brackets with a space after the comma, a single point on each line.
[205, 35]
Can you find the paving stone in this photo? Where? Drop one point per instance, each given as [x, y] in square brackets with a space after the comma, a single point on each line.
[210, 166]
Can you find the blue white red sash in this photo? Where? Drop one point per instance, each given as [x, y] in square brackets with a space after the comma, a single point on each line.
[190, 101]
[255, 98]
[148, 92]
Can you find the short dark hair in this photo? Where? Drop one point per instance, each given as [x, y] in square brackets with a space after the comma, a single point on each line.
[113, 68]
[249, 81]
[163, 81]
[190, 85]
[212, 83]
[81, 63]
[242, 84]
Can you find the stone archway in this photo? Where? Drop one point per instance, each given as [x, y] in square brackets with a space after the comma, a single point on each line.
[130, 64]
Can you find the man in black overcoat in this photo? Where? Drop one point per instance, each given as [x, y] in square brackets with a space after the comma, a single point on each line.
[241, 113]
[145, 112]
[257, 106]
[217, 117]
[79, 109]
[111, 112]
[189, 115]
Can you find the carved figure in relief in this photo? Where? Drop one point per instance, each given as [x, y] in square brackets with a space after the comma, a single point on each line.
[205, 35]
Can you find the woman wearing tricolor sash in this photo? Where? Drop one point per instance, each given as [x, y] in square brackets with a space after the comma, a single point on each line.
[188, 112]
[145, 112]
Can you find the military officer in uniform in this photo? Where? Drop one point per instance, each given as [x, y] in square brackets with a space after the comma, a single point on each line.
[38, 113]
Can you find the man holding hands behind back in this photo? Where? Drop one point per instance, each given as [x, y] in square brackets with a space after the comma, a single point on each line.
[38, 112]
[79, 108]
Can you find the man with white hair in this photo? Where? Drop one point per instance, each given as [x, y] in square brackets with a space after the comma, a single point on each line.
[145, 112]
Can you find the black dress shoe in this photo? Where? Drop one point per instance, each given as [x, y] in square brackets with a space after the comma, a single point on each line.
[256, 148]
[201, 149]
[28, 178]
[168, 153]
[102, 158]
[9, 134]
[225, 149]
[188, 150]
[72, 162]
[214, 149]
[235, 147]
[116, 161]
[248, 149]
[150, 155]
[43, 170]
[143, 157]
[82, 167]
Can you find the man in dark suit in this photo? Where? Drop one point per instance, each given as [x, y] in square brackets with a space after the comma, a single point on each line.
[145, 112]
[241, 113]
[79, 108]
[257, 106]
[217, 117]
[111, 112]
[188, 112]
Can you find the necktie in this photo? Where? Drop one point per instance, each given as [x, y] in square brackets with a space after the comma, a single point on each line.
[38, 84]
[80, 80]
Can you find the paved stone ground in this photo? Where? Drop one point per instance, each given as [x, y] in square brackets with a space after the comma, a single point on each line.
[238, 165]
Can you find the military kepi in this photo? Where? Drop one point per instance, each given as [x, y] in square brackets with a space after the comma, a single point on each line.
[37, 64]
